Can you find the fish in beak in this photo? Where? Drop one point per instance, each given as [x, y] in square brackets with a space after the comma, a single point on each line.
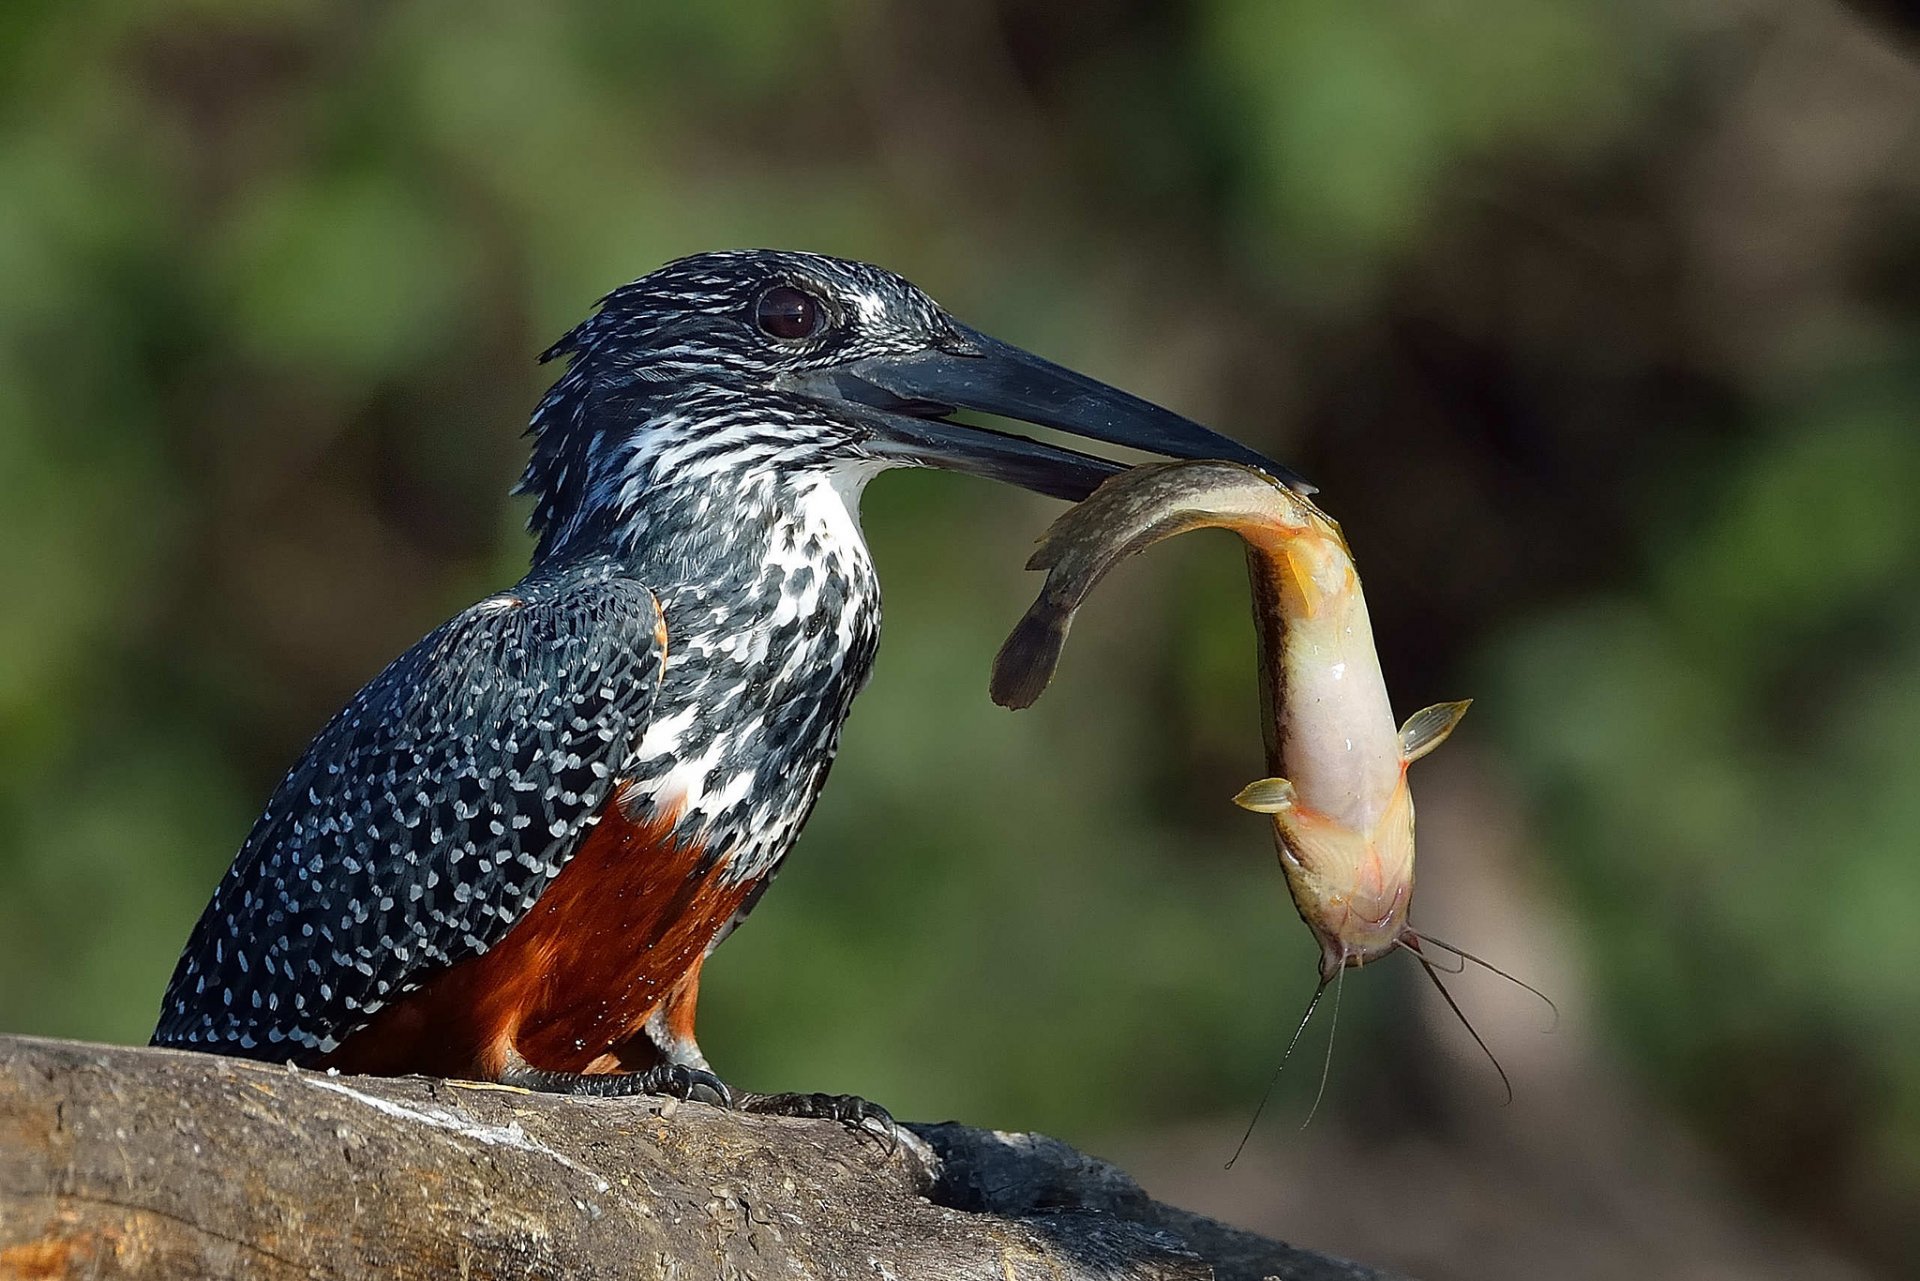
[1338, 796]
[1342, 812]
[905, 400]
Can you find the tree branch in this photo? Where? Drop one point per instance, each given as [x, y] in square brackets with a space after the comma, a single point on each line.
[134, 1162]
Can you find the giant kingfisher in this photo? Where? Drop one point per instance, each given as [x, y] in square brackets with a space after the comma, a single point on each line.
[508, 857]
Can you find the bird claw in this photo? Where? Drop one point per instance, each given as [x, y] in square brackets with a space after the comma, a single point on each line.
[697, 1085]
[850, 1110]
[690, 1084]
[671, 1080]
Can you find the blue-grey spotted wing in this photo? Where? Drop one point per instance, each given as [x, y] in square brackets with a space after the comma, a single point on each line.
[422, 823]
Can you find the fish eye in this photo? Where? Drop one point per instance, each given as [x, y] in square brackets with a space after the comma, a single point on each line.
[788, 313]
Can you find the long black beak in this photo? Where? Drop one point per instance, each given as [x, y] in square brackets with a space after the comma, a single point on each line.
[905, 399]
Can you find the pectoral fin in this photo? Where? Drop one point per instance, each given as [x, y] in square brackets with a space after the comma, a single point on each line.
[1427, 728]
[1267, 796]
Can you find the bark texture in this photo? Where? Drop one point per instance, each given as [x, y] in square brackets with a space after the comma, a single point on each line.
[118, 1162]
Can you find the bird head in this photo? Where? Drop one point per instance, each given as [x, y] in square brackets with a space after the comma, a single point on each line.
[723, 365]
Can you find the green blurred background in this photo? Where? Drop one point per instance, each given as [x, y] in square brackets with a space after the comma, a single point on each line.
[1597, 321]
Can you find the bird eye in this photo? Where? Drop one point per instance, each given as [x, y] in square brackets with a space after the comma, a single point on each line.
[786, 312]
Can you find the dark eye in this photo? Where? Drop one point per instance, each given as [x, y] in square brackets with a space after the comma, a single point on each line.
[786, 312]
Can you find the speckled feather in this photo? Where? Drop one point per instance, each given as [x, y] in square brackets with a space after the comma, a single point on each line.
[426, 817]
[677, 497]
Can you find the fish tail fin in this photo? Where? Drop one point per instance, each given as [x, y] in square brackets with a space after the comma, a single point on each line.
[1024, 667]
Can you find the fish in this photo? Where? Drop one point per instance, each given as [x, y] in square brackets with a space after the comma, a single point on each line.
[1337, 791]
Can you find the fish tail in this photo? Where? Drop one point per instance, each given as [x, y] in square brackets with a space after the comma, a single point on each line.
[1025, 664]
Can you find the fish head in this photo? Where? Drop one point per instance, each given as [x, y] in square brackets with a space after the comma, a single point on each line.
[1351, 887]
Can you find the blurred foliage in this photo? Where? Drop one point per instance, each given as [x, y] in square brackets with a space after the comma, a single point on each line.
[1729, 775]
[1594, 319]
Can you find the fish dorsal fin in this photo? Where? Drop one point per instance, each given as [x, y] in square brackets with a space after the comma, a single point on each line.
[1266, 796]
[1427, 728]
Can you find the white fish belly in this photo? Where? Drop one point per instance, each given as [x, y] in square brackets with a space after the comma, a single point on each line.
[1339, 744]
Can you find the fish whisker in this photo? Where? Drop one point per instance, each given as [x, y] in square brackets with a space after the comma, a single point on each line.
[1333, 1030]
[1433, 974]
[1266, 1094]
[1554, 1010]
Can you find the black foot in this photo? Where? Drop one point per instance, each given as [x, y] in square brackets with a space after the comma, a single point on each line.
[669, 1079]
[850, 1110]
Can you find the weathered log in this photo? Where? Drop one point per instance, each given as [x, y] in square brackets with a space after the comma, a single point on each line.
[122, 1162]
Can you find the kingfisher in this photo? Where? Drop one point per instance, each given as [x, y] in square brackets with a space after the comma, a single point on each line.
[508, 857]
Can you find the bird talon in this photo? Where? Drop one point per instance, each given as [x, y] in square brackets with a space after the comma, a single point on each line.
[880, 1123]
[691, 1085]
[850, 1110]
[667, 1080]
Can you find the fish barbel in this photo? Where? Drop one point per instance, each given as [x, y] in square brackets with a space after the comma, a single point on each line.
[1342, 812]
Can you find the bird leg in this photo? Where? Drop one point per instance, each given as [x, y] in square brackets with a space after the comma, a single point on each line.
[848, 1109]
[675, 1080]
[683, 1081]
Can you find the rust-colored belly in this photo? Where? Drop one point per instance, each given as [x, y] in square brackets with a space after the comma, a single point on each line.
[610, 940]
